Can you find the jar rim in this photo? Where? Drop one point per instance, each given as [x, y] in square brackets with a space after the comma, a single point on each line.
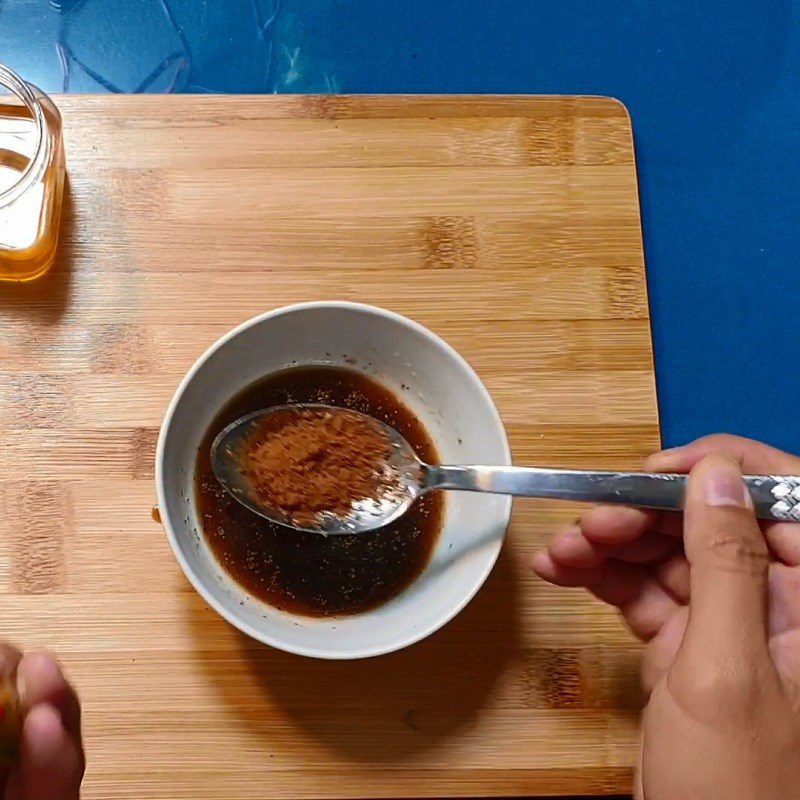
[24, 92]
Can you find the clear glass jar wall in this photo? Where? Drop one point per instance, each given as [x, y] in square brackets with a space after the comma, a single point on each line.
[32, 171]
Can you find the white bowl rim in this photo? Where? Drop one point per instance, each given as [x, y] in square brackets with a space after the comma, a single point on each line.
[236, 622]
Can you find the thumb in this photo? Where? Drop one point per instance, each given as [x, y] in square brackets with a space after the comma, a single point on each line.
[728, 560]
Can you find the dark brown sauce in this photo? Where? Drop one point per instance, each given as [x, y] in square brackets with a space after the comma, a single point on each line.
[306, 573]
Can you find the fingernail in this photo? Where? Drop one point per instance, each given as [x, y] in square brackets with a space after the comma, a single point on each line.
[723, 486]
[43, 733]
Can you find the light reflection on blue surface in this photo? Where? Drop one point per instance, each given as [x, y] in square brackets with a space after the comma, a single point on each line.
[713, 89]
[163, 45]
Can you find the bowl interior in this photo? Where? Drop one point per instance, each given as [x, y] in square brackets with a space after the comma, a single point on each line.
[442, 390]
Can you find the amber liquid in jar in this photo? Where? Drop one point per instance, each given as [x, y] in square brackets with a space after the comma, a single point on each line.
[306, 573]
[32, 171]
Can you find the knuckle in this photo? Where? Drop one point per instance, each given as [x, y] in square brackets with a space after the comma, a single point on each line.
[720, 688]
[718, 438]
[733, 554]
[720, 443]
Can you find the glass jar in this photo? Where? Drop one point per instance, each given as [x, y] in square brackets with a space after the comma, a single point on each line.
[32, 171]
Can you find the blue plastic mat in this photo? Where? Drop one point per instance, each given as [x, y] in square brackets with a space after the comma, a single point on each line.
[713, 88]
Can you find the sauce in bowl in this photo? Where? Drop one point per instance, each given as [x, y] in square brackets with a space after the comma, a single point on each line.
[307, 573]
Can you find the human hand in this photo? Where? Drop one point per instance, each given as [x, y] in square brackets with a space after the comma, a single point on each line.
[718, 600]
[50, 760]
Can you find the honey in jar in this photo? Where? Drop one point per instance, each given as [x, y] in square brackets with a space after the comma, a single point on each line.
[32, 170]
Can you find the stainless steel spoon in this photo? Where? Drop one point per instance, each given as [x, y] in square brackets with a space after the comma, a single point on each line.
[774, 497]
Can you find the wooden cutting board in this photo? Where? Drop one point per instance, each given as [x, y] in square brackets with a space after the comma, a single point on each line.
[510, 226]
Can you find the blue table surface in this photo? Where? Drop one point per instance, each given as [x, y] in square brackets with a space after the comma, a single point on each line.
[713, 90]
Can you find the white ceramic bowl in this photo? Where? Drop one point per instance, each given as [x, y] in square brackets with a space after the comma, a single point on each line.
[445, 393]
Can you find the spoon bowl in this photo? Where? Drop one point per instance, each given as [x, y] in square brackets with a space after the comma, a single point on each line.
[408, 474]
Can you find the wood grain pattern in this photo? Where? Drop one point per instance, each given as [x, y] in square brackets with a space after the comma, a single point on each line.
[510, 226]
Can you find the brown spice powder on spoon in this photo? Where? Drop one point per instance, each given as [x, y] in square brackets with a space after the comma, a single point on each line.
[309, 461]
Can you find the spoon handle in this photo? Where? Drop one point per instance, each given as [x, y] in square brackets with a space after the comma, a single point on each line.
[775, 497]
